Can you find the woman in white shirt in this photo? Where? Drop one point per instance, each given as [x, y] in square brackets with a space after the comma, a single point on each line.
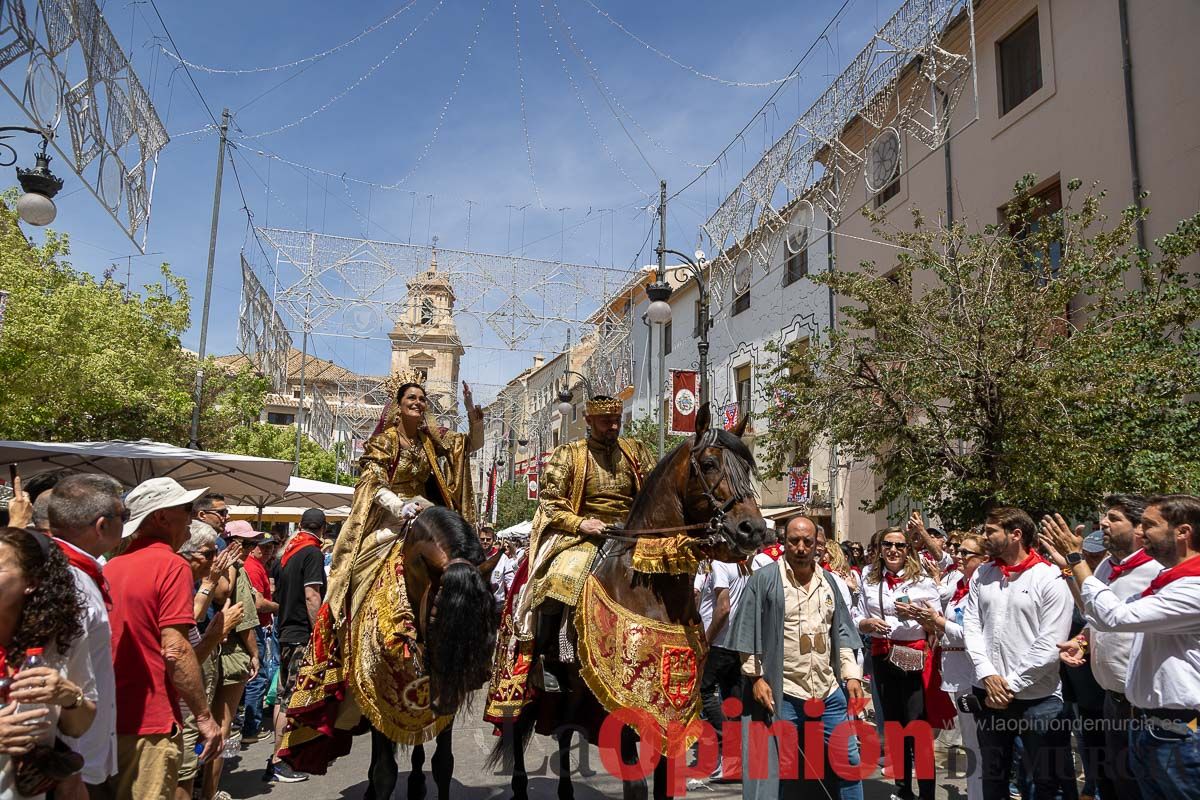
[892, 588]
[39, 608]
[958, 671]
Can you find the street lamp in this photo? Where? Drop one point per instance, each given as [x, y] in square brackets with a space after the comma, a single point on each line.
[35, 206]
[565, 397]
[695, 272]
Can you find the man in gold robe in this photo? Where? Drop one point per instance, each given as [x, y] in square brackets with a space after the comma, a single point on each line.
[587, 485]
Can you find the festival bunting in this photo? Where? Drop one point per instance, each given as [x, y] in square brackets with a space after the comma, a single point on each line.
[799, 483]
[683, 401]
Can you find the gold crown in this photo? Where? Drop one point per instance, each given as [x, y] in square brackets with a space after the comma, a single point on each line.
[605, 407]
[398, 379]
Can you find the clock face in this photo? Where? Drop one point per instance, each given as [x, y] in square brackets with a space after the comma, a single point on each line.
[884, 164]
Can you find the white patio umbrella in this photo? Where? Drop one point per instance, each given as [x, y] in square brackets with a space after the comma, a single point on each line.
[284, 513]
[245, 480]
[520, 530]
[316, 494]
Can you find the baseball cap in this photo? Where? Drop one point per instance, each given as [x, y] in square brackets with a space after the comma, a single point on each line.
[241, 529]
[312, 519]
[1094, 542]
[936, 533]
[154, 494]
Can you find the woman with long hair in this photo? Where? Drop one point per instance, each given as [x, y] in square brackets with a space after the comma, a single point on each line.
[958, 672]
[409, 465]
[39, 609]
[894, 584]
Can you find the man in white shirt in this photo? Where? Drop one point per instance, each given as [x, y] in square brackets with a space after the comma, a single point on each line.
[1018, 610]
[722, 677]
[502, 575]
[1162, 681]
[1128, 571]
[86, 518]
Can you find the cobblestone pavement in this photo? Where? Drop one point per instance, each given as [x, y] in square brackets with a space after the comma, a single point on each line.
[473, 740]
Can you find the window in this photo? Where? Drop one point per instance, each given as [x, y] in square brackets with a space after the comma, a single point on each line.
[741, 302]
[696, 324]
[427, 311]
[279, 418]
[796, 352]
[1050, 203]
[422, 374]
[741, 379]
[796, 266]
[296, 392]
[887, 193]
[667, 338]
[1019, 56]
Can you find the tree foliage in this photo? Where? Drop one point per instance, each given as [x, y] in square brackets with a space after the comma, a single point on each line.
[85, 358]
[513, 504]
[645, 430]
[1041, 363]
[274, 441]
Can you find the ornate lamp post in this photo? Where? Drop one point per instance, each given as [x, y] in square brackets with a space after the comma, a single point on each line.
[36, 205]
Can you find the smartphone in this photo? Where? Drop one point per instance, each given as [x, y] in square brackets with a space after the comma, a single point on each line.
[12, 474]
[903, 599]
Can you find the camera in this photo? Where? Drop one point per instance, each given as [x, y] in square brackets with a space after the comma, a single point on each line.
[969, 704]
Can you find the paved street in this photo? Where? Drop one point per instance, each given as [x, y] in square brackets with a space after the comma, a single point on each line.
[472, 781]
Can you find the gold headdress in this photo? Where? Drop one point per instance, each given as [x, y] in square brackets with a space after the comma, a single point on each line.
[398, 379]
[604, 406]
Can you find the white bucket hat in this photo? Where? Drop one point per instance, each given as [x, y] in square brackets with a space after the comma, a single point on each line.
[151, 495]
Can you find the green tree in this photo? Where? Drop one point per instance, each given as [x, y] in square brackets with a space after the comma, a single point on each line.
[273, 441]
[645, 430]
[84, 358]
[513, 504]
[1012, 365]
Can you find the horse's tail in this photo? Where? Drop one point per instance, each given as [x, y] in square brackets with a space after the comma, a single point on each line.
[461, 647]
[514, 737]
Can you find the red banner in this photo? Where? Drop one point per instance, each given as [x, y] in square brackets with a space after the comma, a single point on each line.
[799, 483]
[491, 492]
[532, 484]
[684, 402]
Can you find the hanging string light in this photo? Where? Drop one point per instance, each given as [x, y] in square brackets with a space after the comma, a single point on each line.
[524, 115]
[306, 60]
[371, 71]
[742, 84]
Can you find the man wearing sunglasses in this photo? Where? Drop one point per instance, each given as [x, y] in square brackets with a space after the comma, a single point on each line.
[212, 510]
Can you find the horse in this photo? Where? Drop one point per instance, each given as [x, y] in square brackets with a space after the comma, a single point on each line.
[447, 583]
[702, 488]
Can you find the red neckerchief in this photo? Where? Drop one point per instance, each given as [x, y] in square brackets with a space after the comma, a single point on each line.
[1128, 565]
[1016, 569]
[88, 566]
[773, 550]
[824, 565]
[1184, 569]
[892, 580]
[300, 541]
[960, 590]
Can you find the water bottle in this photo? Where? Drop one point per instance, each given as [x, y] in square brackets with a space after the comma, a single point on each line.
[233, 745]
[33, 658]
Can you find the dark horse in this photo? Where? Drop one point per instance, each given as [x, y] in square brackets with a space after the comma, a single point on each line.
[702, 487]
[446, 579]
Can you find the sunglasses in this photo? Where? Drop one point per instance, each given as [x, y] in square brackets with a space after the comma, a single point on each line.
[965, 553]
[893, 545]
[223, 513]
[124, 515]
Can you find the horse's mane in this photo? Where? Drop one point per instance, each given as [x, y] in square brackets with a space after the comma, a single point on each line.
[736, 471]
[456, 533]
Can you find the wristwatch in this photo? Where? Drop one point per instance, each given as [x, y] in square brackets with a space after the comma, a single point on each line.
[77, 702]
[1074, 558]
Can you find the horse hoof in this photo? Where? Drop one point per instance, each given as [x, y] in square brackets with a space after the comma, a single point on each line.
[416, 789]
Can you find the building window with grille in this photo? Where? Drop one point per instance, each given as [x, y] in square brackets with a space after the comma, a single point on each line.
[741, 302]
[742, 385]
[667, 339]
[1019, 56]
[279, 418]
[427, 311]
[796, 266]
[1049, 202]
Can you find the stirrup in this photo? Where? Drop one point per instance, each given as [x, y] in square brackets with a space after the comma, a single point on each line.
[543, 679]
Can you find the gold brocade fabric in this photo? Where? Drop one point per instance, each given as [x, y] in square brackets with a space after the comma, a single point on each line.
[387, 677]
[582, 479]
[631, 661]
[670, 555]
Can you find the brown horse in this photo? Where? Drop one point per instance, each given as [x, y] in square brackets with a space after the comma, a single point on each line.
[446, 580]
[703, 489]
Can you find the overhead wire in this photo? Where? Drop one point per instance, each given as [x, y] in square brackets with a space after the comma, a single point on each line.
[524, 114]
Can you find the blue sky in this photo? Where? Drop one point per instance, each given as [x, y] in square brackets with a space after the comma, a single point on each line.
[379, 129]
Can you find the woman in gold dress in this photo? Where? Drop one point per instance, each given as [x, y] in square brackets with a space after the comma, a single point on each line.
[365, 663]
